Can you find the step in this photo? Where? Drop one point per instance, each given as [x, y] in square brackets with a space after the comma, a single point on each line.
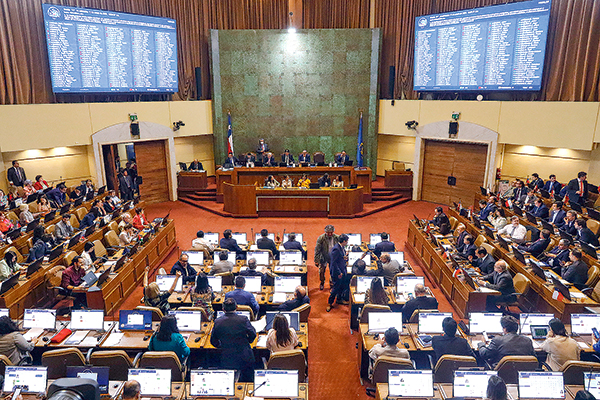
[388, 198]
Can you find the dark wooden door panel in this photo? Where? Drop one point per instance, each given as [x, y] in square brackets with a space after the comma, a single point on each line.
[151, 158]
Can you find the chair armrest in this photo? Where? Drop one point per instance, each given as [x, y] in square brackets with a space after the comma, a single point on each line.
[88, 356]
[413, 363]
[264, 360]
[61, 291]
[430, 361]
[544, 366]
[136, 360]
[587, 290]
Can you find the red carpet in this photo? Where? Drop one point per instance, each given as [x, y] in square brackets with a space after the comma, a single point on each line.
[332, 354]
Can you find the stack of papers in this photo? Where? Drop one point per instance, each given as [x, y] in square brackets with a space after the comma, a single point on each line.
[89, 341]
[359, 297]
[33, 333]
[113, 339]
[76, 338]
[262, 341]
[259, 325]
[280, 297]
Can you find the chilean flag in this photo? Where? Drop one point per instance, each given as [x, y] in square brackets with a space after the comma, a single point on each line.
[229, 135]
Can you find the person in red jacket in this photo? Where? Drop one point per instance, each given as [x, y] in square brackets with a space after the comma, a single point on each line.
[139, 221]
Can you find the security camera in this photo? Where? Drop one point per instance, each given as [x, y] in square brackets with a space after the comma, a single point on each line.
[411, 124]
[177, 125]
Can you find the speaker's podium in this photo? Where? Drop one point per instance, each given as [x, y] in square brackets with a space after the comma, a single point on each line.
[252, 201]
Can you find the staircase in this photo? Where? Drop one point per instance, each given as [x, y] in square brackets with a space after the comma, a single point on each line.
[208, 194]
[386, 194]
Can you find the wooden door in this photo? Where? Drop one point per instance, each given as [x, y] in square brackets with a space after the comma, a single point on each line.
[464, 161]
[109, 151]
[151, 159]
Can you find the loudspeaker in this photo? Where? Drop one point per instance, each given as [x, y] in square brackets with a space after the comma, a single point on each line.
[453, 129]
[134, 129]
[198, 72]
[392, 81]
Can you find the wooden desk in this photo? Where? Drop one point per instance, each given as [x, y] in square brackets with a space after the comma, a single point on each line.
[401, 181]
[445, 390]
[302, 392]
[188, 181]
[368, 341]
[239, 390]
[383, 393]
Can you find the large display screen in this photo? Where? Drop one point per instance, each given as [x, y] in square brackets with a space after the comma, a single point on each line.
[94, 51]
[482, 49]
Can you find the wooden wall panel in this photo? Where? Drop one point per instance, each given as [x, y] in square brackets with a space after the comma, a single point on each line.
[151, 159]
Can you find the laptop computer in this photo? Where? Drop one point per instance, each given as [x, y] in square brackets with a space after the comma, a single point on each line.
[410, 383]
[471, 384]
[489, 232]
[591, 382]
[14, 234]
[135, 320]
[50, 216]
[153, 382]
[364, 282]
[545, 194]
[290, 257]
[90, 278]
[28, 379]
[43, 318]
[33, 267]
[594, 214]
[240, 238]
[537, 270]
[502, 242]
[8, 284]
[98, 374]
[582, 324]
[87, 320]
[517, 210]
[562, 289]
[212, 237]
[261, 257]
[75, 239]
[292, 317]
[588, 249]
[188, 321]
[539, 332]
[216, 283]
[31, 198]
[477, 222]
[541, 385]
[212, 383]
[253, 284]
[530, 217]
[547, 225]
[483, 191]
[526, 320]
[287, 284]
[380, 322]
[182, 166]
[313, 185]
[519, 255]
[65, 208]
[406, 284]
[488, 322]
[120, 262]
[78, 201]
[195, 257]
[32, 225]
[165, 282]
[101, 190]
[576, 207]
[274, 383]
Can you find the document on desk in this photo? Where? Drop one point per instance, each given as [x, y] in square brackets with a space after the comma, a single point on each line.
[76, 338]
[279, 297]
[577, 295]
[33, 333]
[262, 341]
[114, 339]
[89, 341]
[359, 297]
[485, 290]
[583, 345]
[260, 324]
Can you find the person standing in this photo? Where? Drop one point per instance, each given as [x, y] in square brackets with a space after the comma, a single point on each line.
[325, 243]
[337, 269]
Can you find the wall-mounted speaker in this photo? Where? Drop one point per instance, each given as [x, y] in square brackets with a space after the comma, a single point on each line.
[198, 72]
[453, 129]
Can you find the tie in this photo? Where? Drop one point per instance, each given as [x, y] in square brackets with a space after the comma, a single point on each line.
[514, 228]
[18, 173]
[554, 217]
[581, 187]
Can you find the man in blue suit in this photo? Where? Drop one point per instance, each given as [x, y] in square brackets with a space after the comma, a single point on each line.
[241, 296]
[484, 261]
[536, 183]
[342, 158]
[552, 186]
[337, 268]
[539, 246]
[304, 157]
[488, 209]
[569, 225]
[585, 234]
[385, 246]
[540, 210]
[557, 215]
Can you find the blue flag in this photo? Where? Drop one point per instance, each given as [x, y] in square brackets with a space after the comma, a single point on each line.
[229, 135]
[360, 146]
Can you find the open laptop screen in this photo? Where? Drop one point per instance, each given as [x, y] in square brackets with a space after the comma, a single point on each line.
[270, 235]
[253, 284]
[432, 322]
[480, 322]
[39, 318]
[582, 324]
[541, 385]
[188, 321]
[406, 284]
[398, 256]
[526, 320]
[87, 320]
[471, 384]
[230, 256]
[165, 282]
[290, 258]
[212, 382]
[135, 320]
[29, 379]
[240, 238]
[194, 257]
[246, 314]
[275, 383]
[406, 383]
[211, 237]
[380, 322]
[287, 284]
[153, 382]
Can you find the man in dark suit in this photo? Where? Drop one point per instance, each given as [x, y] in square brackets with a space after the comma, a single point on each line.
[557, 214]
[420, 302]
[520, 192]
[126, 185]
[324, 181]
[304, 157]
[449, 343]
[242, 296]
[337, 268]
[552, 186]
[16, 175]
[251, 271]
[529, 202]
[569, 225]
[58, 196]
[558, 255]
[536, 182]
[287, 158]
[577, 189]
[188, 273]
[230, 161]
[261, 149]
[264, 243]
[441, 221]
[484, 261]
[342, 158]
[233, 334]
[539, 246]
[489, 208]
[575, 271]
[300, 298]
[584, 234]
[229, 243]
[249, 159]
[500, 280]
[195, 166]
[509, 344]
[293, 244]
[540, 210]
[385, 246]
[86, 188]
[468, 252]
[269, 160]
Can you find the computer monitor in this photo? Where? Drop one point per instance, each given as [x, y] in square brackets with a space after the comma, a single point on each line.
[230, 256]
[87, 320]
[357, 255]
[519, 256]
[153, 382]
[240, 238]
[4, 312]
[528, 319]
[269, 383]
[135, 320]
[503, 243]
[354, 239]
[39, 318]
[216, 283]
[364, 282]
[471, 384]
[287, 284]
[591, 381]
[299, 237]
[98, 374]
[270, 235]
[188, 321]
[29, 379]
[480, 322]
[406, 284]
[541, 385]
[194, 257]
[582, 324]
[589, 250]
[380, 322]
[407, 383]
[212, 382]
[246, 314]
[261, 257]
[165, 282]
[489, 232]
[398, 256]
[432, 322]
[292, 317]
[290, 258]
[212, 237]
[253, 284]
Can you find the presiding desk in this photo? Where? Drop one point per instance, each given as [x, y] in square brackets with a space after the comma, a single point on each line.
[190, 181]
[250, 201]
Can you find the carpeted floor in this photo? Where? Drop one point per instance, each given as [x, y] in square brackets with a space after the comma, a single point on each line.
[332, 354]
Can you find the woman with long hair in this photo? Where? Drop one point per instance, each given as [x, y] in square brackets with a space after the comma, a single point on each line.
[12, 344]
[376, 294]
[559, 346]
[8, 265]
[202, 295]
[281, 337]
[153, 297]
[43, 205]
[168, 338]
[496, 389]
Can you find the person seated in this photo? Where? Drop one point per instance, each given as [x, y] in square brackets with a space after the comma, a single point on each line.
[264, 243]
[43, 205]
[484, 261]
[197, 165]
[63, 228]
[460, 232]
[496, 389]
[558, 256]
[500, 280]
[125, 220]
[575, 270]
[168, 338]
[89, 219]
[87, 188]
[293, 244]
[324, 181]
[468, 252]
[421, 301]
[497, 219]
[114, 198]
[3, 200]
[559, 347]
[40, 183]
[269, 160]
[108, 205]
[58, 196]
[140, 222]
[227, 242]
[132, 390]
[25, 216]
[441, 221]
[585, 234]
[243, 297]
[540, 210]
[387, 346]
[127, 235]
[507, 192]
[529, 202]
[300, 298]
[515, 231]
[230, 161]
[388, 268]
[552, 186]
[153, 297]
[557, 215]
[201, 244]
[223, 265]
[337, 182]
[539, 246]
[287, 182]
[9, 265]
[488, 207]
[508, 344]
[304, 182]
[449, 343]
[271, 182]
[385, 245]
[249, 160]
[304, 157]
[251, 271]
[12, 343]
[360, 268]
[536, 183]
[202, 295]
[520, 192]
[42, 244]
[73, 277]
[88, 256]
[569, 225]
[287, 158]
[342, 158]
[376, 294]
[188, 273]
[99, 205]
[281, 337]
[28, 189]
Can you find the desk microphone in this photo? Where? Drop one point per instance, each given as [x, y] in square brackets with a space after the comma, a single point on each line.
[258, 387]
